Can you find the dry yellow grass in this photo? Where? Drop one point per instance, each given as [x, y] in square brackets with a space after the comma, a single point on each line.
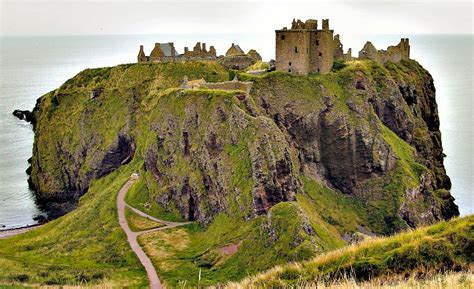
[161, 246]
[138, 223]
[421, 252]
[452, 280]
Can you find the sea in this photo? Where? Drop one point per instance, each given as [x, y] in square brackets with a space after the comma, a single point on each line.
[33, 66]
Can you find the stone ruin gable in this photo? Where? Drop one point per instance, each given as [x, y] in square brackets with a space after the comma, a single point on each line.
[166, 52]
[304, 48]
[235, 84]
[234, 50]
[254, 54]
[236, 58]
[393, 53]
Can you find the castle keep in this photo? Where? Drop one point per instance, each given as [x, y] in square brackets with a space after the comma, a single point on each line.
[304, 48]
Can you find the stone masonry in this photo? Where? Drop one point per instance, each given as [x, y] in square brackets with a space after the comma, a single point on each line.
[304, 48]
[165, 52]
[393, 53]
[235, 84]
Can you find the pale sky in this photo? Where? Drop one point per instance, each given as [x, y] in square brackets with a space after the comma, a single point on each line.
[27, 18]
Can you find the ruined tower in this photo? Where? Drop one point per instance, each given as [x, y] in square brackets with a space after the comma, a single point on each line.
[141, 55]
[304, 48]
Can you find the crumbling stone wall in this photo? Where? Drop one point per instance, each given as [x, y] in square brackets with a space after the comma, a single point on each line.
[239, 62]
[169, 53]
[254, 54]
[225, 85]
[347, 56]
[200, 50]
[393, 53]
[338, 49]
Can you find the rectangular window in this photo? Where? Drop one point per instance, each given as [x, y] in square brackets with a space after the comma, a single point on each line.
[283, 37]
[296, 49]
[320, 54]
[289, 63]
[317, 42]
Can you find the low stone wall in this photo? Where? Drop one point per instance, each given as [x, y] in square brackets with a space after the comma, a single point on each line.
[229, 85]
[226, 85]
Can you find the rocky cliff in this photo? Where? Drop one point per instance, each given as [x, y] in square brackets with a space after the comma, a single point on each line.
[369, 131]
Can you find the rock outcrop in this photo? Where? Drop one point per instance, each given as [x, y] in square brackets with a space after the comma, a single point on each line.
[369, 130]
[25, 115]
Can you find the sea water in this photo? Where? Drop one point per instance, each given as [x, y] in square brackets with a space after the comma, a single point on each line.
[33, 66]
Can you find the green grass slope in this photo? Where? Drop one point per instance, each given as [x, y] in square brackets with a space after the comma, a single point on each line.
[86, 246]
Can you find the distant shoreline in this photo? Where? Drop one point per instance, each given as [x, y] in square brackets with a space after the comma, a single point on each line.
[15, 231]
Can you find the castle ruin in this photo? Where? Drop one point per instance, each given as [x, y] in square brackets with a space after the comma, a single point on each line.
[393, 53]
[306, 49]
[302, 49]
[165, 52]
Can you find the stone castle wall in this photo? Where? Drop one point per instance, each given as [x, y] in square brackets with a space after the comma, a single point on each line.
[225, 85]
[321, 51]
[292, 51]
[304, 49]
[199, 52]
[393, 53]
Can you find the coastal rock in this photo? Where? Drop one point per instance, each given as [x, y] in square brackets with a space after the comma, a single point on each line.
[25, 115]
[370, 131]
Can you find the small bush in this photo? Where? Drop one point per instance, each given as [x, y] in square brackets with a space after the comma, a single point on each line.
[338, 65]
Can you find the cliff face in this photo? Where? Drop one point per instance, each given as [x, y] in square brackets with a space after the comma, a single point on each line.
[369, 131]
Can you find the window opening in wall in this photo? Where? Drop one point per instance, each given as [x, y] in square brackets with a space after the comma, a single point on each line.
[296, 49]
[320, 54]
[289, 63]
[283, 37]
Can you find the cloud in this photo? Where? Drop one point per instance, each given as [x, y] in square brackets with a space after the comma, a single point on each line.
[222, 17]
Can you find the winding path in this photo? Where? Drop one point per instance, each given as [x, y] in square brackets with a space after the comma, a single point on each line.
[132, 236]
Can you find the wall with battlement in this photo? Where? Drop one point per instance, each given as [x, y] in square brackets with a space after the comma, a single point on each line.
[393, 53]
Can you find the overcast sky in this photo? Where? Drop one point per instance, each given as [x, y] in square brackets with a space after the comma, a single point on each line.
[183, 17]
